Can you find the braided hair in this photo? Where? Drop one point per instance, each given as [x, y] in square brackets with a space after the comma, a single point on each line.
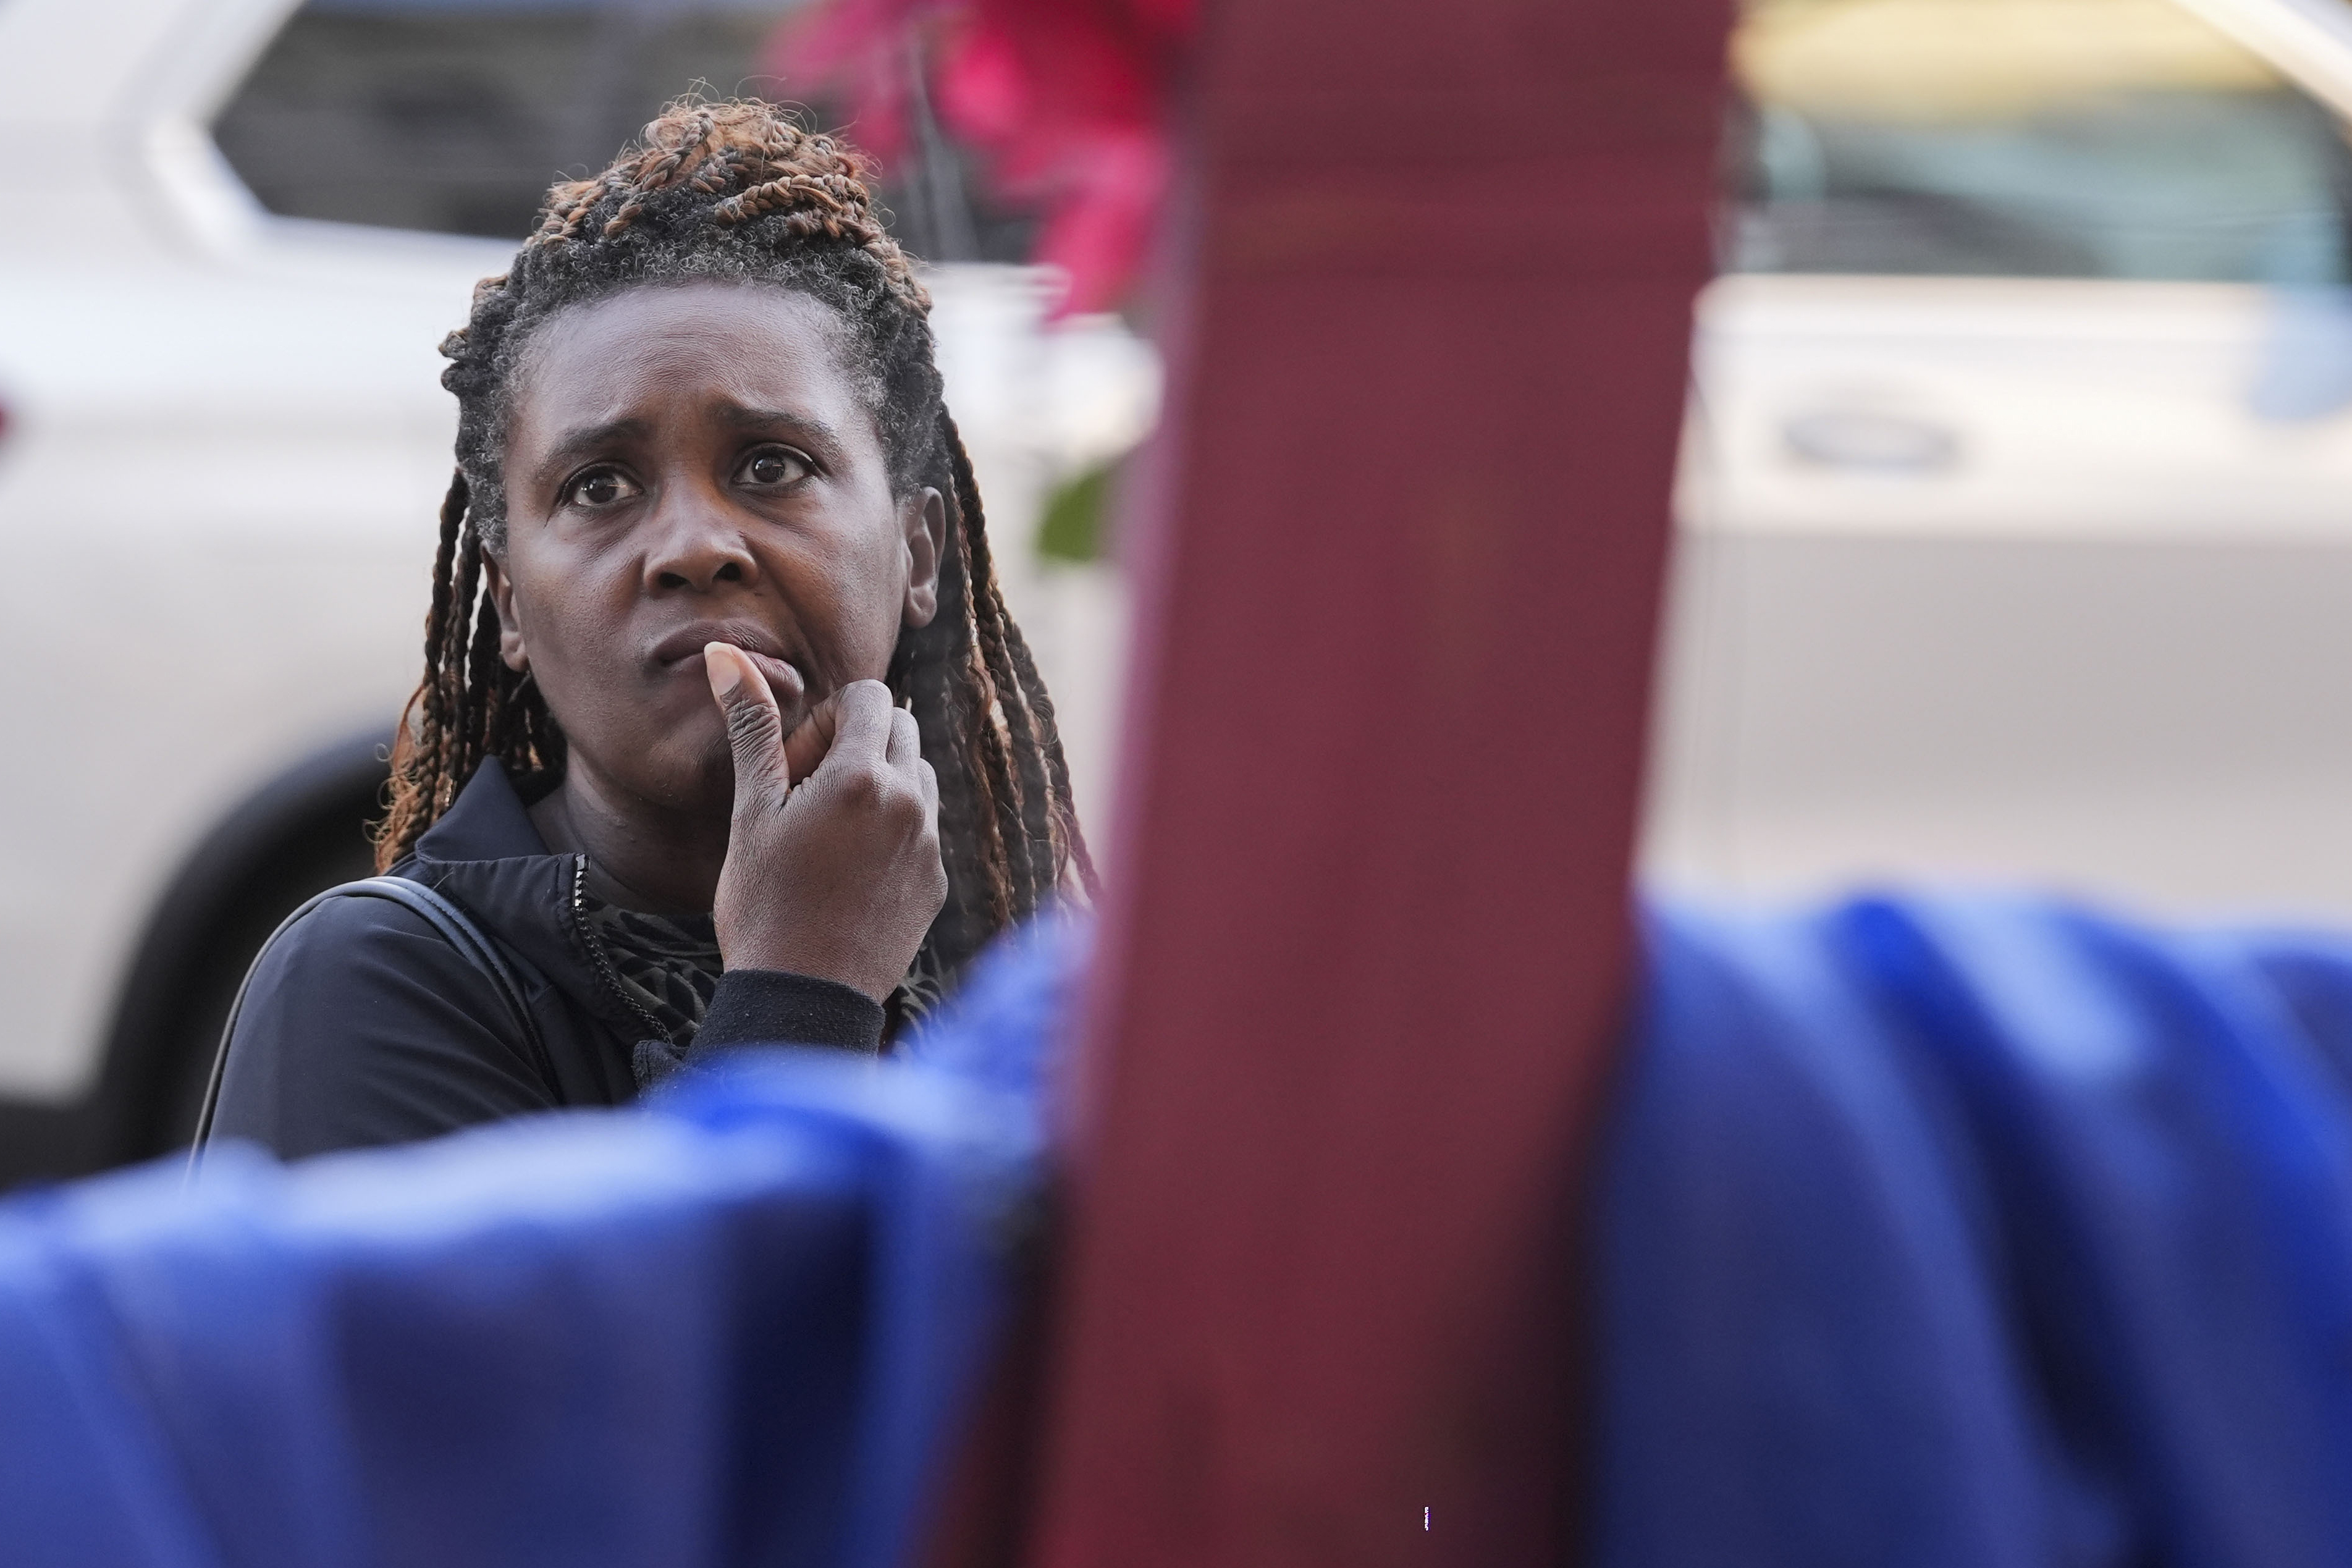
[738, 191]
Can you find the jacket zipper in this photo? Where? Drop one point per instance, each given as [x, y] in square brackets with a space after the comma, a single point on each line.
[604, 967]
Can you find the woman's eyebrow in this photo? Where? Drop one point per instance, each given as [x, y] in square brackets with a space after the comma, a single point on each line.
[579, 443]
[806, 426]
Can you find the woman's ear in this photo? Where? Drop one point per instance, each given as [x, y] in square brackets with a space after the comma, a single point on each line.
[923, 520]
[510, 644]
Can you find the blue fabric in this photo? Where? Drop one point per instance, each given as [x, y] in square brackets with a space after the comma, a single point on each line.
[729, 1328]
[1976, 1232]
[1957, 1233]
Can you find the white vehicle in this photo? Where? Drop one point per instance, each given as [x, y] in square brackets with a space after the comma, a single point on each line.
[2018, 502]
[223, 446]
[2017, 539]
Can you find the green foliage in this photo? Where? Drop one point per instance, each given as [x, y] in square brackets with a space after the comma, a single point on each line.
[1077, 516]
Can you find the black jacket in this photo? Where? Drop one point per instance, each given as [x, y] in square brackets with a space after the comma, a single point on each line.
[363, 1025]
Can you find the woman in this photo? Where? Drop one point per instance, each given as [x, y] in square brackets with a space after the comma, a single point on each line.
[724, 733]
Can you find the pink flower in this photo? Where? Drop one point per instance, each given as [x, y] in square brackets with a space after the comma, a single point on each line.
[1067, 101]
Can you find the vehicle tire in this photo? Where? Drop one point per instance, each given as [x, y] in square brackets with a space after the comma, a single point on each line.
[305, 833]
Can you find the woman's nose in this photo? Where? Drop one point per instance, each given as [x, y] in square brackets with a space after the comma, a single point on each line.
[695, 546]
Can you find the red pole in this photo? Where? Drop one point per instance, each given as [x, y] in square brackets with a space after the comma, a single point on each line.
[1368, 940]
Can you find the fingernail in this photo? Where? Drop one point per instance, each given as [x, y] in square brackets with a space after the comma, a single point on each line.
[726, 674]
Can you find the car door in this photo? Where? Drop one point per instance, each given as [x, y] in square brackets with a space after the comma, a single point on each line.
[2017, 507]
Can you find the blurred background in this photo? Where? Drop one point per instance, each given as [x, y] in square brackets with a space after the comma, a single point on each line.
[2015, 509]
[2015, 513]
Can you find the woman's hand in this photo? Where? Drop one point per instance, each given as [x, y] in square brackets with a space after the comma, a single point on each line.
[837, 875]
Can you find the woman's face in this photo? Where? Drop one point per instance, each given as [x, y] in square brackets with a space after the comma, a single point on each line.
[687, 463]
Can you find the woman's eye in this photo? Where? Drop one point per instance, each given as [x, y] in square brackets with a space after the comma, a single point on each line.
[600, 487]
[774, 465]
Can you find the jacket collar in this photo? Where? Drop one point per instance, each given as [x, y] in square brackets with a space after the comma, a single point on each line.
[485, 822]
[485, 853]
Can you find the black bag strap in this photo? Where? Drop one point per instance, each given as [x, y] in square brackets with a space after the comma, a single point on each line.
[455, 927]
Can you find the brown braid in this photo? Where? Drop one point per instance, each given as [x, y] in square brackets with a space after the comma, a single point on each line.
[736, 190]
[1028, 790]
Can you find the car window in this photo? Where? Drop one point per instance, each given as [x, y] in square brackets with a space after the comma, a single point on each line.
[454, 115]
[2032, 138]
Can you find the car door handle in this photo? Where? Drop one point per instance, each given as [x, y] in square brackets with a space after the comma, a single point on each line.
[1865, 441]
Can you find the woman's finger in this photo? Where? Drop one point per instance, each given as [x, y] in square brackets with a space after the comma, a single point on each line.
[755, 729]
[811, 737]
[861, 726]
[905, 740]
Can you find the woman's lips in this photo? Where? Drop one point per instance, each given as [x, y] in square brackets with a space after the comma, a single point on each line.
[783, 681]
[689, 641]
[680, 653]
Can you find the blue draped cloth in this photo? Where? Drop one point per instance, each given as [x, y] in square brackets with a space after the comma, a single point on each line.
[733, 1328]
[1949, 1233]
[1978, 1233]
